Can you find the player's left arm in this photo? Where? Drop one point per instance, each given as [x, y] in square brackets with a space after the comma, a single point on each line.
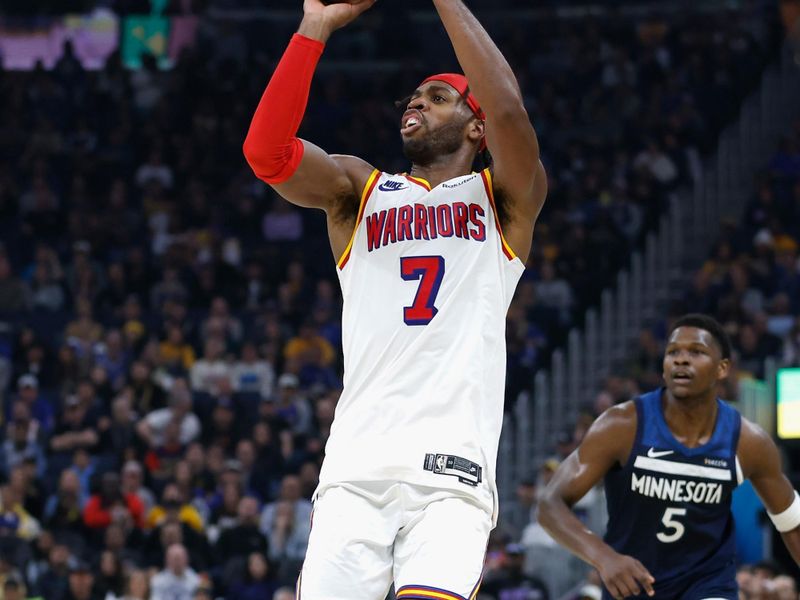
[761, 464]
[518, 172]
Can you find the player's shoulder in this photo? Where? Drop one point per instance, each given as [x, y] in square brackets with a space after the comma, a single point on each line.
[752, 438]
[613, 433]
[617, 420]
[756, 449]
[357, 169]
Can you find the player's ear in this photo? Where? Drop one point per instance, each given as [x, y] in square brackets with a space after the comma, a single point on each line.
[723, 368]
[477, 129]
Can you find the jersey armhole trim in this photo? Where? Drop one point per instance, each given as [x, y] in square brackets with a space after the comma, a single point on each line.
[638, 403]
[365, 194]
[423, 183]
[487, 183]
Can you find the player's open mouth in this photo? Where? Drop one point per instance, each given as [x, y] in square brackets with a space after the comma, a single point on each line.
[411, 121]
[681, 377]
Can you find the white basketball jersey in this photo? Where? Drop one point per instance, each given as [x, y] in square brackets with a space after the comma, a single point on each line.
[427, 280]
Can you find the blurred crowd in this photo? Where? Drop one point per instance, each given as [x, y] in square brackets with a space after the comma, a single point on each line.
[170, 329]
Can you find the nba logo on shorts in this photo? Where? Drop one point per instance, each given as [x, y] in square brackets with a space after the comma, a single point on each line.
[441, 463]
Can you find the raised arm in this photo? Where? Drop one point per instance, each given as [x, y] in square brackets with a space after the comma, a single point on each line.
[761, 464]
[607, 444]
[518, 173]
[299, 171]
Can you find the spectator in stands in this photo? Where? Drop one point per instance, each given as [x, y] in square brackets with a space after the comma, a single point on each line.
[39, 407]
[243, 538]
[257, 582]
[291, 406]
[15, 520]
[208, 370]
[286, 524]
[109, 581]
[81, 583]
[133, 483]
[76, 429]
[177, 355]
[137, 586]
[177, 581]
[252, 374]
[53, 580]
[22, 444]
[110, 505]
[63, 511]
[153, 427]
[174, 507]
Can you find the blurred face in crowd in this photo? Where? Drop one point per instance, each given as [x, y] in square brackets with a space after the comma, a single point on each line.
[183, 474]
[138, 586]
[171, 534]
[69, 484]
[693, 363]
[290, 488]
[246, 454]
[121, 409]
[177, 560]
[28, 393]
[257, 566]
[248, 511]
[196, 457]
[109, 566]
[114, 537]
[59, 555]
[131, 477]
[110, 486]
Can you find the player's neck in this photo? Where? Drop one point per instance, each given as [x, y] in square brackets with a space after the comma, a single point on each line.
[690, 419]
[443, 168]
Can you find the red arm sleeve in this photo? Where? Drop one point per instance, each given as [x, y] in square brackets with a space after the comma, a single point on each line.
[271, 148]
[94, 515]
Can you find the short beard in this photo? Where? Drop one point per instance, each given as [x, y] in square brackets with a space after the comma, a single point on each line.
[426, 149]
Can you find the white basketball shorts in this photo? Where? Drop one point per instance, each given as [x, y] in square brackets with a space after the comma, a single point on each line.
[430, 543]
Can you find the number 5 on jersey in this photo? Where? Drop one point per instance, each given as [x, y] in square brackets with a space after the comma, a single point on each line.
[430, 271]
[675, 528]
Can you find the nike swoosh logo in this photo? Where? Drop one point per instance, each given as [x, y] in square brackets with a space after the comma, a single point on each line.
[392, 186]
[653, 454]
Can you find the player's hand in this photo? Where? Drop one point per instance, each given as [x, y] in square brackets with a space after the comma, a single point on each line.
[625, 576]
[337, 15]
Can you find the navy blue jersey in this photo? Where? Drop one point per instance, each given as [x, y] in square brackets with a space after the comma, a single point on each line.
[669, 505]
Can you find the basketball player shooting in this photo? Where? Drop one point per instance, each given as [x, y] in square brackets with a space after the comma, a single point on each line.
[671, 459]
[428, 262]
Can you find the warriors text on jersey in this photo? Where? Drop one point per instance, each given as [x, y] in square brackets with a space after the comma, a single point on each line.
[427, 280]
[670, 506]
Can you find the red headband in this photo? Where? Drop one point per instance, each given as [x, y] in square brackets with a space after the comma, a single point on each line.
[461, 85]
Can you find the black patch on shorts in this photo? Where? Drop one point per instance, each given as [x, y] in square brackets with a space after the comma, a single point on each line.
[446, 464]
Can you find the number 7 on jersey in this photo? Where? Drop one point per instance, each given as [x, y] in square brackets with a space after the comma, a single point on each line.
[430, 271]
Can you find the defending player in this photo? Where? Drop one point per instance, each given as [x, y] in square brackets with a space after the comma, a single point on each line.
[671, 459]
[428, 263]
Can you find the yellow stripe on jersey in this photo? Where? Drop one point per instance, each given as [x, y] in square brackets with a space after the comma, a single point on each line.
[365, 193]
[419, 180]
[487, 180]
